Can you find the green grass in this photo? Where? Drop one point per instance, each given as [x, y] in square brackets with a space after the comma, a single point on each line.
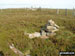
[14, 22]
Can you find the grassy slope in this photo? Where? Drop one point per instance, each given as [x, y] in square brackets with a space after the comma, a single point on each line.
[13, 23]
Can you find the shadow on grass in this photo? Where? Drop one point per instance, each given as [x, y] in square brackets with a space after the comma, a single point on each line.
[1, 53]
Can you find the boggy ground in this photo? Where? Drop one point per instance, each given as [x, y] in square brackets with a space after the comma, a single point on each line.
[14, 22]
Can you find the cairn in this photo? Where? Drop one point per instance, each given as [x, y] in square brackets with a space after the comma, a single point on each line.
[49, 29]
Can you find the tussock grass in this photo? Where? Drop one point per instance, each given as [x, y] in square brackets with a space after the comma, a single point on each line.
[14, 22]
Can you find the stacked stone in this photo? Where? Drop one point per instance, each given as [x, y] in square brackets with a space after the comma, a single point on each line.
[49, 29]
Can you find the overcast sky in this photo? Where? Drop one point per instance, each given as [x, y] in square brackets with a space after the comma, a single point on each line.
[69, 4]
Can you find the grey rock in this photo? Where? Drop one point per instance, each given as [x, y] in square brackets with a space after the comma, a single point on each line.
[50, 28]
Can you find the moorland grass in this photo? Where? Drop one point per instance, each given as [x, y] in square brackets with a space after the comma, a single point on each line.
[14, 22]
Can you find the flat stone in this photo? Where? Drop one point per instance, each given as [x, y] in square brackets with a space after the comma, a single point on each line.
[33, 35]
[44, 37]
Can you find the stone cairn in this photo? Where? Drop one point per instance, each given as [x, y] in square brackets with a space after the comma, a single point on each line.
[48, 30]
